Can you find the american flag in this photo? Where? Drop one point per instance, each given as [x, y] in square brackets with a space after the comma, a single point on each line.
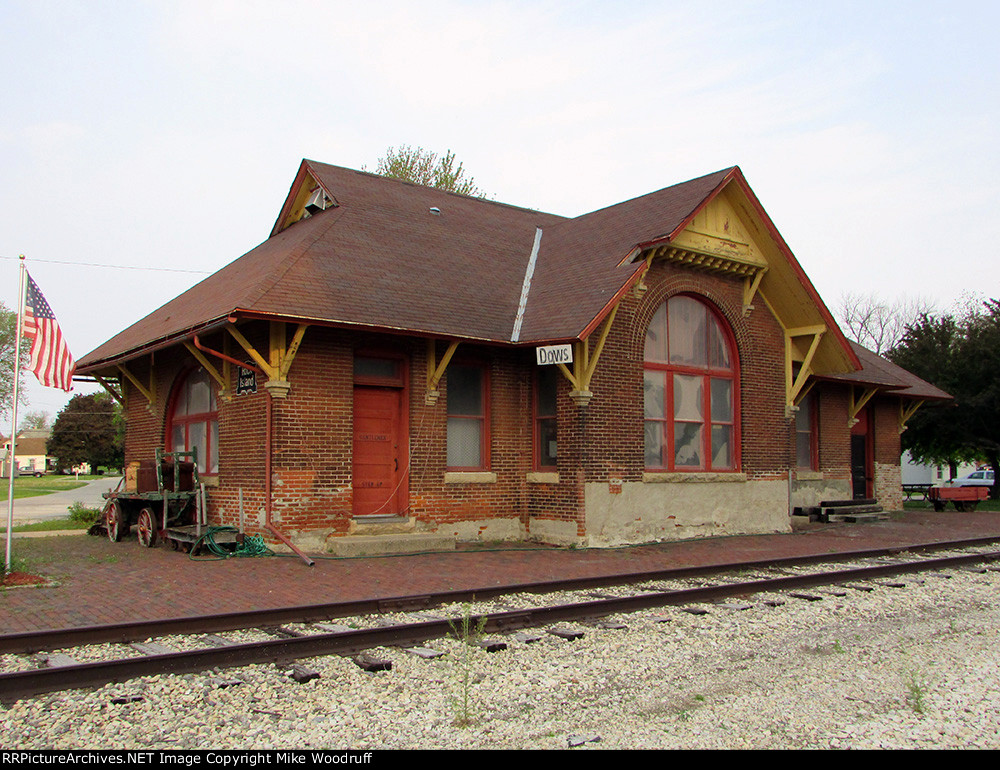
[50, 358]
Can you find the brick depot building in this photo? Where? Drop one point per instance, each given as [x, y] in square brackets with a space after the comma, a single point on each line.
[372, 369]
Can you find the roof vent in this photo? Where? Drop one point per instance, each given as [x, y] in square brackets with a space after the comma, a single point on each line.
[435, 211]
[316, 202]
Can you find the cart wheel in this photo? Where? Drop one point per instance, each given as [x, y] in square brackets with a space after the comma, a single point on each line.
[938, 506]
[961, 505]
[147, 528]
[115, 522]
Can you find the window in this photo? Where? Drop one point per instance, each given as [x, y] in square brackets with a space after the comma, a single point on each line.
[806, 435]
[546, 388]
[468, 434]
[194, 420]
[690, 389]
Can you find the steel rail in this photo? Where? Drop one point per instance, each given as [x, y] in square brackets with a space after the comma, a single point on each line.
[23, 684]
[54, 639]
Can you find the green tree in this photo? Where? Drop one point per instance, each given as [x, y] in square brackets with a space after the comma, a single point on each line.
[87, 430]
[415, 164]
[960, 355]
[8, 336]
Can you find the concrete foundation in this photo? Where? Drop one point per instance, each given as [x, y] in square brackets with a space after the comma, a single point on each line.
[553, 531]
[485, 530]
[648, 512]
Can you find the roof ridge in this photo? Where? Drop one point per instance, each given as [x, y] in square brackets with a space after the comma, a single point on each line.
[723, 172]
[407, 182]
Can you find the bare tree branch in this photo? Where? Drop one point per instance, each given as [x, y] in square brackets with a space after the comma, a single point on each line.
[879, 324]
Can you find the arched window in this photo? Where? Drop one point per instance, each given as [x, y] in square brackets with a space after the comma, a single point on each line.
[194, 419]
[690, 385]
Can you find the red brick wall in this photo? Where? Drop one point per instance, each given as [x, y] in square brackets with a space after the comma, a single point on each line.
[313, 426]
[834, 432]
[615, 415]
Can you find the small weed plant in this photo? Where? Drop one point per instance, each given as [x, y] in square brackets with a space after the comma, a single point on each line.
[917, 686]
[467, 631]
[80, 513]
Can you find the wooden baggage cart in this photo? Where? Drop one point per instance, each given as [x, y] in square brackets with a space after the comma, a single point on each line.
[157, 494]
[963, 498]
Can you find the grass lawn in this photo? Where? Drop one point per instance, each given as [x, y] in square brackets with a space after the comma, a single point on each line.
[984, 505]
[52, 525]
[29, 486]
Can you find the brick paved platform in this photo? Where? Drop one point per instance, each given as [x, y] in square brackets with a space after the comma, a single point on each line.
[102, 582]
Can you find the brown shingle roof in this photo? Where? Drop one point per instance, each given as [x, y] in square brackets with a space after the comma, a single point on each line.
[580, 260]
[881, 372]
[380, 259]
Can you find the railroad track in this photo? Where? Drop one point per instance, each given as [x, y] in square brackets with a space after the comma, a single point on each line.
[283, 645]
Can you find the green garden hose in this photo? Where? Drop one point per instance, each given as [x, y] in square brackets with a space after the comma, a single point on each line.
[252, 545]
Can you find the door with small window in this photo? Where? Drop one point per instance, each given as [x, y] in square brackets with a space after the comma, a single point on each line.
[380, 456]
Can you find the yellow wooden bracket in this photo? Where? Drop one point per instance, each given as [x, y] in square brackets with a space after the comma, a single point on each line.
[591, 362]
[208, 366]
[585, 362]
[640, 285]
[117, 393]
[262, 362]
[855, 404]
[293, 348]
[279, 359]
[794, 385]
[148, 393]
[906, 412]
[750, 286]
[804, 392]
[436, 369]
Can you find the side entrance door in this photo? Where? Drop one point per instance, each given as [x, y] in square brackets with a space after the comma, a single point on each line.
[862, 466]
[376, 467]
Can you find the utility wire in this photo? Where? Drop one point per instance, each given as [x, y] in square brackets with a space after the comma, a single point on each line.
[116, 267]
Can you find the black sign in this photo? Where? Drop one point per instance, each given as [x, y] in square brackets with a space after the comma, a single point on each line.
[246, 381]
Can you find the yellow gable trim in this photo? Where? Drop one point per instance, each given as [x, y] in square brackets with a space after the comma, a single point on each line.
[717, 231]
[297, 210]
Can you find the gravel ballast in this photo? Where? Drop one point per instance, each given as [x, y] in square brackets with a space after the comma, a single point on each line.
[897, 667]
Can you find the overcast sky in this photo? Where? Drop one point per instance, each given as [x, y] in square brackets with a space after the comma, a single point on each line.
[166, 133]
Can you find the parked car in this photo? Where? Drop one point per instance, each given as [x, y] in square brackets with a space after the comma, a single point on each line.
[981, 478]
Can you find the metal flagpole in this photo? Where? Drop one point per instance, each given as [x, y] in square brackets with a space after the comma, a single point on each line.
[13, 413]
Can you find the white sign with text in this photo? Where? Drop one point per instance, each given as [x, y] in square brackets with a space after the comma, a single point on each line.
[554, 354]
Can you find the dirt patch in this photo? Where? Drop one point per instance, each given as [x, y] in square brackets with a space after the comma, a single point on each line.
[21, 579]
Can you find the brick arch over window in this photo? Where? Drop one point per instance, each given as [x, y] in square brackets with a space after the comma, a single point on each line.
[193, 418]
[691, 390]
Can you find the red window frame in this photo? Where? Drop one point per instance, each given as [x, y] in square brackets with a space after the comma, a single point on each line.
[663, 425]
[542, 418]
[207, 465]
[482, 417]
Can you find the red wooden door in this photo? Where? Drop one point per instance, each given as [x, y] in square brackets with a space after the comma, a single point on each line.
[376, 466]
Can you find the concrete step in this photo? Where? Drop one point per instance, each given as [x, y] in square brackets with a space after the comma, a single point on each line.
[394, 543]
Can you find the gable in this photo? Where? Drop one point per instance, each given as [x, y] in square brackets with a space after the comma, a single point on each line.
[718, 239]
[731, 233]
[306, 197]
